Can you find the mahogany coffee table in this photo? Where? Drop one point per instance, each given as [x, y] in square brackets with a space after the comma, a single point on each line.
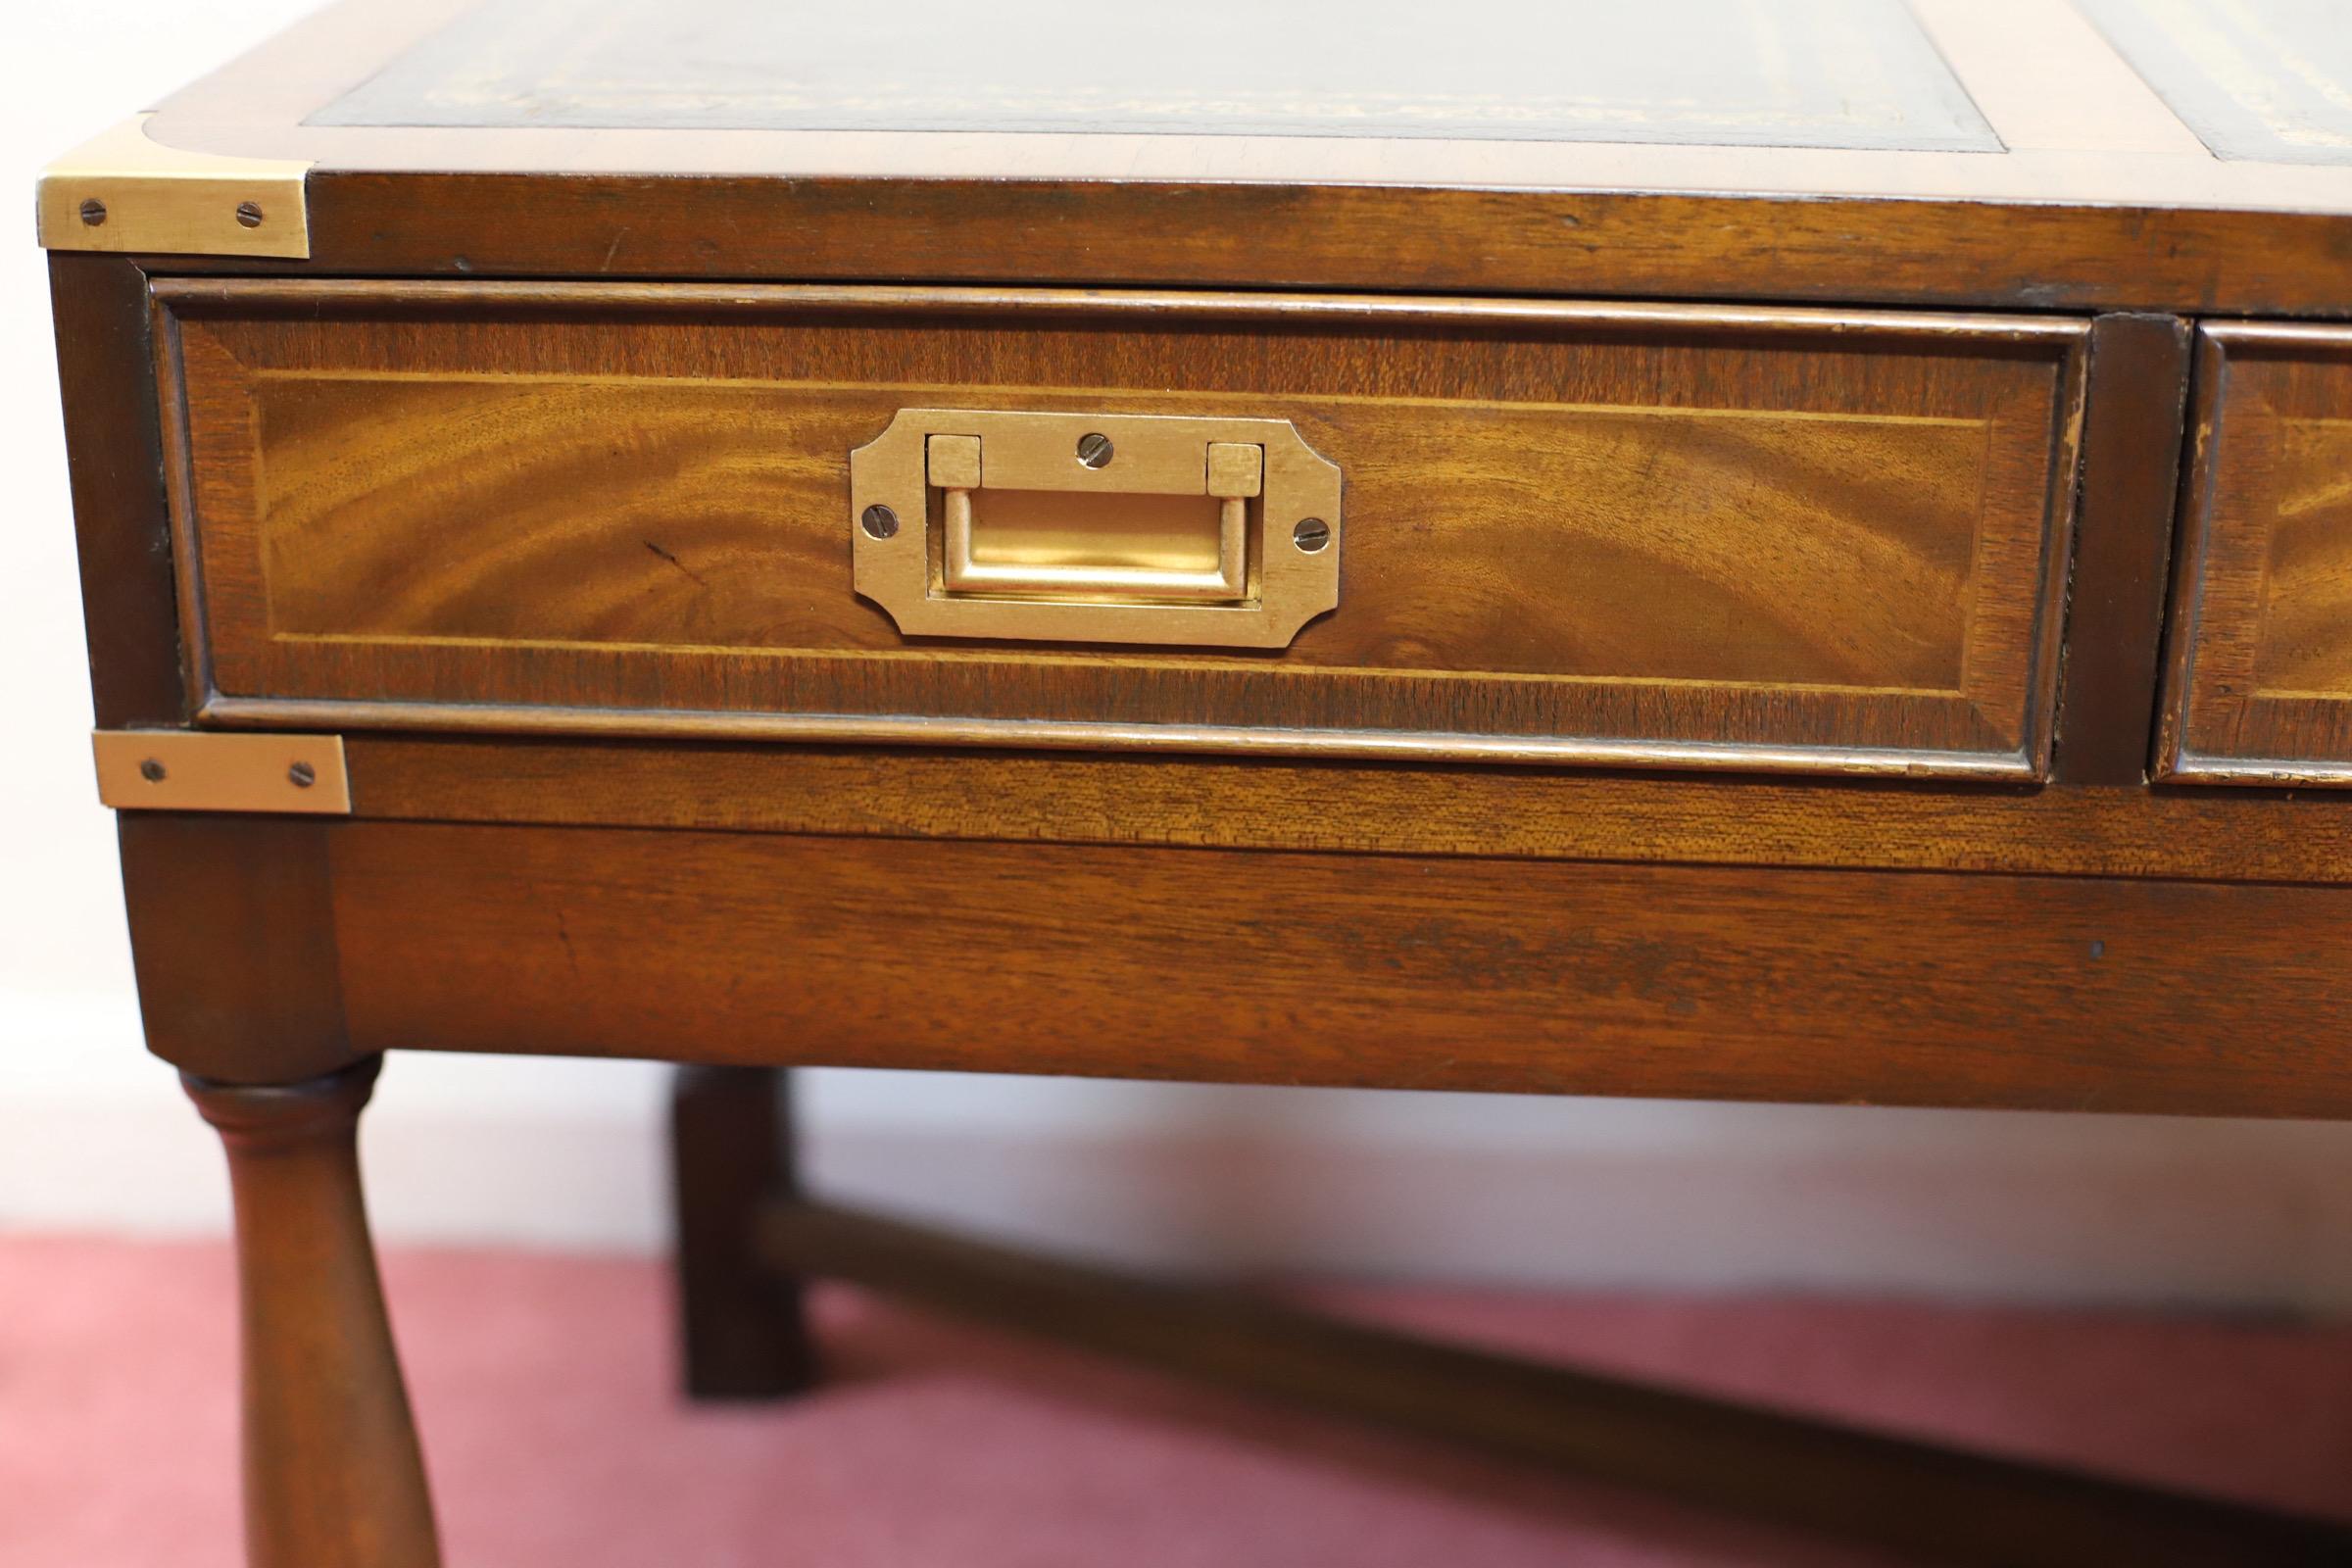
[1696, 549]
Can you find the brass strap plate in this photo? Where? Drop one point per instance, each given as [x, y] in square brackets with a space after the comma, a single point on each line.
[201, 771]
[1180, 530]
[125, 191]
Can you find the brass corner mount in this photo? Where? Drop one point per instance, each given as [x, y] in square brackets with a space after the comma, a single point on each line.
[207, 770]
[128, 193]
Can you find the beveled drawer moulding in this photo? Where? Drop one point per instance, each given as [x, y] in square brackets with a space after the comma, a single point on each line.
[1652, 536]
[2259, 685]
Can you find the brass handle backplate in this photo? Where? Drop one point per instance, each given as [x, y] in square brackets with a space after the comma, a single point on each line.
[1095, 527]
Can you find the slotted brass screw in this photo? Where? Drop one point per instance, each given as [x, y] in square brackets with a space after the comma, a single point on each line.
[250, 213]
[301, 775]
[1095, 450]
[1311, 534]
[93, 211]
[151, 771]
[879, 523]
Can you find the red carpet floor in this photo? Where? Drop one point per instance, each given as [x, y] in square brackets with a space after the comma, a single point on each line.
[542, 1386]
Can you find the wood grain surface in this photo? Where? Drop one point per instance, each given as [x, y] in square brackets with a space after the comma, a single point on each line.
[115, 463]
[232, 940]
[1564, 526]
[1909, 988]
[1967, 252]
[2261, 673]
[1331, 808]
[2131, 440]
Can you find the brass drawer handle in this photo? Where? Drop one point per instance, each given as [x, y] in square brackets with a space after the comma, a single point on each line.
[1234, 473]
[1135, 529]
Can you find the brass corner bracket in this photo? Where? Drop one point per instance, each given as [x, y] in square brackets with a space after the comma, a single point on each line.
[124, 191]
[205, 770]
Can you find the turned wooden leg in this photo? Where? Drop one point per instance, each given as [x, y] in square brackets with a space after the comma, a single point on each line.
[742, 1330]
[333, 1477]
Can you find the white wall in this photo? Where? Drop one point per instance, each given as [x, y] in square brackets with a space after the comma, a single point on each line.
[93, 1134]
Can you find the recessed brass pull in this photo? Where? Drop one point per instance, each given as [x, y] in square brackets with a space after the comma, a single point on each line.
[957, 466]
[1093, 527]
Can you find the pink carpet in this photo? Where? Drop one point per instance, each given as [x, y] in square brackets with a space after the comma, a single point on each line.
[544, 1389]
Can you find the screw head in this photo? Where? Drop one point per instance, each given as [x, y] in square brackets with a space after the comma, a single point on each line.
[250, 213]
[93, 211]
[1311, 534]
[151, 771]
[879, 523]
[1095, 450]
[301, 775]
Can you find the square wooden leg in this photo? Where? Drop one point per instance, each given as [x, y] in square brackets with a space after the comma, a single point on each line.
[743, 1330]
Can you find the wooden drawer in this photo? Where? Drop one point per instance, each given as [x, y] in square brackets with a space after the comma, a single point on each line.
[2259, 686]
[1647, 536]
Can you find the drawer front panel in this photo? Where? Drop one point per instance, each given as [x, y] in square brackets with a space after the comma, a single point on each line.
[2260, 681]
[1676, 537]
